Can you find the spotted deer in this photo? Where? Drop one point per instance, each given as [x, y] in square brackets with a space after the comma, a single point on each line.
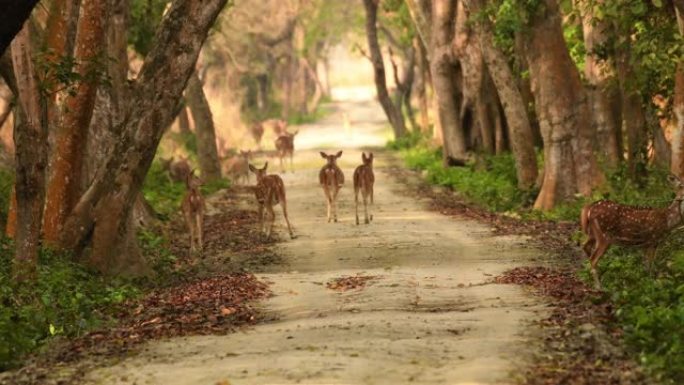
[285, 146]
[193, 211]
[331, 179]
[237, 167]
[279, 126]
[257, 131]
[363, 182]
[269, 191]
[606, 222]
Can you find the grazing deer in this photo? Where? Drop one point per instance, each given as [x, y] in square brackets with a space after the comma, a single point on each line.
[606, 222]
[237, 167]
[257, 131]
[331, 178]
[363, 181]
[193, 211]
[177, 170]
[269, 191]
[285, 146]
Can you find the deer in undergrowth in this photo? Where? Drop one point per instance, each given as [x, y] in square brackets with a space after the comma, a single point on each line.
[193, 211]
[331, 179]
[270, 191]
[177, 170]
[285, 146]
[363, 182]
[606, 222]
[237, 167]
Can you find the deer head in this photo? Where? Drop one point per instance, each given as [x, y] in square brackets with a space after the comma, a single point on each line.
[331, 159]
[246, 154]
[367, 160]
[259, 172]
[165, 163]
[192, 181]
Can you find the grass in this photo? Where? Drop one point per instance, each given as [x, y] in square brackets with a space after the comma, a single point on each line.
[649, 304]
[67, 299]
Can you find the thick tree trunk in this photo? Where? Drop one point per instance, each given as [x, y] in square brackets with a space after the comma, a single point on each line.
[443, 73]
[421, 84]
[677, 165]
[633, 118]
[569, 163]
[394, 115]
[207, 153]
[30, 135]
[101, 219]
[64, 183]
[521, 137]
[602, 94]
[14, 13]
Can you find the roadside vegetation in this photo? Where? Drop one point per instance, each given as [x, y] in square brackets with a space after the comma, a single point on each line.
[648, 305]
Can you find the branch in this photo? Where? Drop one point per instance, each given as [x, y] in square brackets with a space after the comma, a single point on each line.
[390, 38]
[395, 70]
[362, 51]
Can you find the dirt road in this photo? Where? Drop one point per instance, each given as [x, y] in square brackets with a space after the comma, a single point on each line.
[429, 316]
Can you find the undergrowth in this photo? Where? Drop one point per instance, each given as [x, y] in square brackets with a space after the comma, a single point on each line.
[649, 303]
[66, 299]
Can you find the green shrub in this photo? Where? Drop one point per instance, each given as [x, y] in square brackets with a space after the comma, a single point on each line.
[410, 140]
[66, 299]
[6, 182]
[161, 192]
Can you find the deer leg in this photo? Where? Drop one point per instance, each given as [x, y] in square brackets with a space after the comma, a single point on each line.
[327, 200]
[365, 209]
[649, 255]
[371, 201]
[601, 246]
[200, 231]
[356, 203]
[261, 218]
[292, 162]
[269, 208]
[334, 199]
[287, 220]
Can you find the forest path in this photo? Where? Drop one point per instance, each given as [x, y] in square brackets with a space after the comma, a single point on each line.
[430, 316]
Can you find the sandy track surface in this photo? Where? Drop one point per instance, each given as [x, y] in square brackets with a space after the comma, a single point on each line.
[430, 315]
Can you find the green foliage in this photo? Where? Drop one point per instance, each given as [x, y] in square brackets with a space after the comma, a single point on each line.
[161, 192]
[650, 305]
[410, 140]
[494, 188]
[6, 183]
[145, 17]
[155, 249]
[67, 300]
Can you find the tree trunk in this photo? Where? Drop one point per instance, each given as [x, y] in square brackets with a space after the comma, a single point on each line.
[569, 163]
[184, 122]
[421, 84]
[420, 14]
[64, 183]
[633, 118]
[394, 115]
[101, 218]
[677, 165]
[521, 137]
[443, 73]
[602, 94]
[207, 153]
[30, 136]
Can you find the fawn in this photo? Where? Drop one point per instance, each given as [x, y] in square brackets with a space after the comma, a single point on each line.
[269, 191]
[193, 211]
[606, 222]
[363, 181]
[237, 167]
[285, 146]
[331, 179]
[177, 170]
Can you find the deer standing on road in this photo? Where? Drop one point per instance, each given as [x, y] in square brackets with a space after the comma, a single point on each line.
[257, 131]
[269, 191]
[363, 182]
[285, 146]
[331, 178]
[606, 222]
[237, 167]
[193, 211]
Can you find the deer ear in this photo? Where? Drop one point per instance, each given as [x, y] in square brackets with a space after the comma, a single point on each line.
[252, 168]
[265, 167]
[339, 154]
[324, 155]
[295, 133]
[363, 156]
[370, 156]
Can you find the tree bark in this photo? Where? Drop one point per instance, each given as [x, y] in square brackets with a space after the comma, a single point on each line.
[100, 220]
[442, 68]
[421, 84]
[633, 118]
[677, 165]
[14, 13]
[602, 94]
[521, 137]
[207, 153]
[569, 162]
[30, 135]
[184, 121]
[66, 171]
[394, 115]
[420, 14]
